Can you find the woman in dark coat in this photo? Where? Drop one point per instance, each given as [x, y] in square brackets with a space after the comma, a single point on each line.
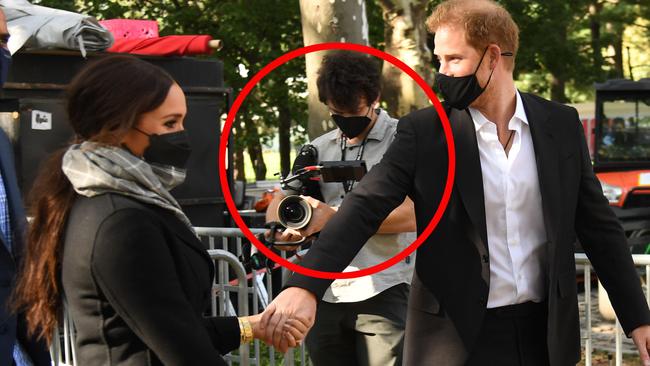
[107, 232]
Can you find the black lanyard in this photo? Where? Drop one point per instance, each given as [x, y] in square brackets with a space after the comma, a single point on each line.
[347, 185]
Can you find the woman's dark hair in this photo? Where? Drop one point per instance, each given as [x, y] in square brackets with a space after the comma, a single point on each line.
[104, 101]
[345, 77]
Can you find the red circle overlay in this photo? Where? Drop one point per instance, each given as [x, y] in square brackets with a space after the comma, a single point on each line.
[301, 52]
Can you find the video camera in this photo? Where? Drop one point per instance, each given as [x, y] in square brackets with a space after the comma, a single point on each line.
[293, 211]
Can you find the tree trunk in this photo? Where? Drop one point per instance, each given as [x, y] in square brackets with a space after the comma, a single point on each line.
[238, 163]
[556, 68]
[594, 26]
[284, 132]
[254, 149]
[328, 21]
[557, 89]
[406, 38]
[617, 44]
[253, 146]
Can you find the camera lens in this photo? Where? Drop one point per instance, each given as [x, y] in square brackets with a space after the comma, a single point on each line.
[294, 212]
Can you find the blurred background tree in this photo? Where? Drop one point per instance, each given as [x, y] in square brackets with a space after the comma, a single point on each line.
[328, 21]
[565, 47]
[254, 32]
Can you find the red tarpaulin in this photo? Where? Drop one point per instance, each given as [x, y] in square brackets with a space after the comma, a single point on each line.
[164, 46]
[131, 28]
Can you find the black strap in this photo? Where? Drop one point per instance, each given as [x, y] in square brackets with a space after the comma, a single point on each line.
[348, 185]
[505, 147]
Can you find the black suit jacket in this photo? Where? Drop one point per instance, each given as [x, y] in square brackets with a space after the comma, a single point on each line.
[452, 265]
[13, 327]
[137, 282]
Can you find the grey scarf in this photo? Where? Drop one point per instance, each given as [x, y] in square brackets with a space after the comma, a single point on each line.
[95, 169]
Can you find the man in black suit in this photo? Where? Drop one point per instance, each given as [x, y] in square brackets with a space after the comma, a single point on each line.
[495, 282]
[15, 347]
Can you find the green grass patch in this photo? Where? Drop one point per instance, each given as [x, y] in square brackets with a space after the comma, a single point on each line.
[272, 160]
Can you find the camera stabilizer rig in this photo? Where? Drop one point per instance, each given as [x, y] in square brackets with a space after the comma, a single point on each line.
[294, 211]
[257, 260]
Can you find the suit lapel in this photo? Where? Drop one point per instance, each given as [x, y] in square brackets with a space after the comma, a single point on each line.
[469, 177]
[547, 158]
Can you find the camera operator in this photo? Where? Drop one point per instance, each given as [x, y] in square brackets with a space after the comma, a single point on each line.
[359, 321]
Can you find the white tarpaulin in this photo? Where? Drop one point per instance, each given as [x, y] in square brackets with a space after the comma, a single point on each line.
[39, 27]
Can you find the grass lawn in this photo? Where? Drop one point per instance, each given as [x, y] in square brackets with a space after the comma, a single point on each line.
[600, 358]
[265, 356]
[272, 160]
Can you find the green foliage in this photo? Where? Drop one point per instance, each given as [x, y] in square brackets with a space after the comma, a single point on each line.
[57, 4]
[565, 46]
[254, 32]
[375, 25]
[557, 42]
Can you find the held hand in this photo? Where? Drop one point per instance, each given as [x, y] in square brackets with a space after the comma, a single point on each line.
[255, 324]
[321, 214]
[295, 330]
[641, 337]
[286, 321]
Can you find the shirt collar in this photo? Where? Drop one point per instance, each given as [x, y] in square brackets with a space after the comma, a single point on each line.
[520, 113]
[378, 130]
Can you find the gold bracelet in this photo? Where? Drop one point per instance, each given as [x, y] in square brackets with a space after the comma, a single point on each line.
[245, 330]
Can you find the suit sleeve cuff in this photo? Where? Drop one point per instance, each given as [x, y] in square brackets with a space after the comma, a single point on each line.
[317, 286]
[224, 333]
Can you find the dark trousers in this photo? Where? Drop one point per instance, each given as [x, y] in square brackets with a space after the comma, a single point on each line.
[513, 335]
[365, 333]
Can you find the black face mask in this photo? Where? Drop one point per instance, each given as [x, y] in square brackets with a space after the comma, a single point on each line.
[352, 126]
[171, 149]
[459, 92]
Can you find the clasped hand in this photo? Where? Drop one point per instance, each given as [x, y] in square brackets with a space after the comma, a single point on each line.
[286, 321]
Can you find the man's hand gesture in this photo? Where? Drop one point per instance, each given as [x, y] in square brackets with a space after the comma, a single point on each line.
[286, 321]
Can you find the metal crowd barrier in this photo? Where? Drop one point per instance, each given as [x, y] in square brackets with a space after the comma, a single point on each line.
[640, 260]
[63, 351]
[260, 292]
[225, 248]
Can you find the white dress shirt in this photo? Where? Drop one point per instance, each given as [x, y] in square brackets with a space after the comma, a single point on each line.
[513, 211]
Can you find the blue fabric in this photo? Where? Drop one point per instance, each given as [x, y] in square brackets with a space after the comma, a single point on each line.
[5, 219]
[21, 358]
[12, 225]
